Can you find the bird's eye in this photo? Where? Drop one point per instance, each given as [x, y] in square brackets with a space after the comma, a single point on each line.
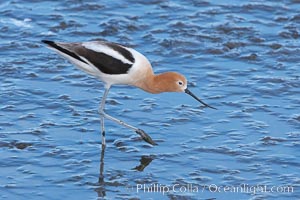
[180, 83]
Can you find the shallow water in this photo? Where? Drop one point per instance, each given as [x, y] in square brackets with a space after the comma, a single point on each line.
[239, 56]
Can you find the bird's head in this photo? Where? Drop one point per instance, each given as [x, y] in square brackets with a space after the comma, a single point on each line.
[174, 82]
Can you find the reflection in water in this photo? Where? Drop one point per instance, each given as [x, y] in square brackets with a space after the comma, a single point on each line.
[101, 189]
[144, 162]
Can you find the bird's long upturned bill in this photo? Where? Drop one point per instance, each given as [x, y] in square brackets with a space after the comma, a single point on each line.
[195, 97]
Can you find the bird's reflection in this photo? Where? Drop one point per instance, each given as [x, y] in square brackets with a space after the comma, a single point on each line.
[144, 162]
[101, 189]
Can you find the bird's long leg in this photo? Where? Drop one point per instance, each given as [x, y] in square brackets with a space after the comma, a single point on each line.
[101, 110]
[142, 133]
[102, 130]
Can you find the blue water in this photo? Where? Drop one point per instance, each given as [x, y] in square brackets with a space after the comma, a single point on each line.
[239, 56]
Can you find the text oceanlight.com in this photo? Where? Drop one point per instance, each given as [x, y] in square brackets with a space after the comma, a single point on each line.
[212, 188]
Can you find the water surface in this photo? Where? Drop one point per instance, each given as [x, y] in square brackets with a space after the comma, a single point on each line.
[239, 56]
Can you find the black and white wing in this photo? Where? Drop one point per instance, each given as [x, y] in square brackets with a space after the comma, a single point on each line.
[96, 57]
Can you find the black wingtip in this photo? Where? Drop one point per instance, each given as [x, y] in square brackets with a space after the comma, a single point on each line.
[59, 47]
[51, 43]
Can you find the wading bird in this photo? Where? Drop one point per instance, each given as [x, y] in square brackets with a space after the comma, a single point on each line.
[116, 64]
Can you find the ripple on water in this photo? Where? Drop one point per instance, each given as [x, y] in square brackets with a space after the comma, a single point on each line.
[16, 144]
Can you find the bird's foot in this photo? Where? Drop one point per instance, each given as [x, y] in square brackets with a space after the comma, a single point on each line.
[145, 136]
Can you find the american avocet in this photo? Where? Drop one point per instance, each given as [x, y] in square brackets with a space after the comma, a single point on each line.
[116, 64]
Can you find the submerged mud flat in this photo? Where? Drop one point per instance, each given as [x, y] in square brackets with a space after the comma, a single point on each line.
[241, 57]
